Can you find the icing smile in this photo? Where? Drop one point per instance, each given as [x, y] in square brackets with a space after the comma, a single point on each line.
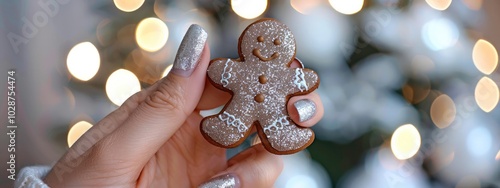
[256, 52]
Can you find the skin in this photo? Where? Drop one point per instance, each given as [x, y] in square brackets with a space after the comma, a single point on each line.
[153, 140]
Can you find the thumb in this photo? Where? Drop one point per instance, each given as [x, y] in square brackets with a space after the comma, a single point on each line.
[166, 108]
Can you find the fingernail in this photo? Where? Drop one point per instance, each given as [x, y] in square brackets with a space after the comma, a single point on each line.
[224, 181]
[189, 51]
[306, 109]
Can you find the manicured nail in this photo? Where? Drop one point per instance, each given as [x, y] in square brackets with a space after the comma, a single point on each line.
[224, 181]
[189, 51]
[306, 109]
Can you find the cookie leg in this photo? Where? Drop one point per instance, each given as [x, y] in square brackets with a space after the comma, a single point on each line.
[281, 136]
[226, 129]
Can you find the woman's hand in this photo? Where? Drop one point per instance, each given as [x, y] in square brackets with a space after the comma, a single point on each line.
[154, 140]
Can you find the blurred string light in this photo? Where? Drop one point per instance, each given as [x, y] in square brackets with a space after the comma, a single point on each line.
[249, 9]
[416, 91]
[304, 6]
[485, 56]
[405, 142]
[439, 4]
[443, 111]
[347, 7]
[120, 85]
[167, 70]
[439, 34]
[468, 182]
[83, 61]
[77, 131]
[128, 5]
[479, 141]
[473, 4]
[486, 94]
[151, 34]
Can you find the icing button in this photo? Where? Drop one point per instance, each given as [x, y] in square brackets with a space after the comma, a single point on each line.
[277, 42]
[260, 39]
[259, 98]
[262, 79]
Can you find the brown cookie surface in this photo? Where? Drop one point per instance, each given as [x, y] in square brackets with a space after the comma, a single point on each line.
[261, 82]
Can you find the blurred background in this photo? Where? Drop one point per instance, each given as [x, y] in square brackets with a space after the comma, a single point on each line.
[410, 87]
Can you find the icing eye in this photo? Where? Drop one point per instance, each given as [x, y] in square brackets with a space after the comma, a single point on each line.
[260, 39]
[277, 41]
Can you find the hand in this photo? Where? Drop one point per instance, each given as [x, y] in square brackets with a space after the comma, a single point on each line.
[154, 139]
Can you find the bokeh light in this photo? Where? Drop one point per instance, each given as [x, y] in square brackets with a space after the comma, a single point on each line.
[479, 141]
[415, 91]
[497, 157]
[77, 131]
[151, 34]
[120, 85]
[167, 70]
[304, 6]
[347, 7]
[486, 94]
[299, 181]
[83, 61]
[485, 56]
[439, 4]
[439, 34]
[249, 9]
[405, 142]
[443, 111]
[128, 5]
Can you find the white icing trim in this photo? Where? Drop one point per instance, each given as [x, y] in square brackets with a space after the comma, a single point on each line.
[299, 80]
[233, 121]
[226, 73]
[277, 124]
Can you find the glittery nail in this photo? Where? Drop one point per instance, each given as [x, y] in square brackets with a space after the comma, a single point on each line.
[224, 181]
[306, 109]
[189, 51]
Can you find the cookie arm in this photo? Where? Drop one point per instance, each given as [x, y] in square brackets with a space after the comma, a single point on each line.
[221, 71]
[303, 81]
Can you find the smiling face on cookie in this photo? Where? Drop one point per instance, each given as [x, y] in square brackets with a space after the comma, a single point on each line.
[268, 41]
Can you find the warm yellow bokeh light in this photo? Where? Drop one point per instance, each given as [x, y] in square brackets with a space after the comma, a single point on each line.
[497, 157]
[249, 9]
[83, 61]
[485, 56]
[405, 142]
[443, 111]
[128, 5]
[486, 94]
[304, 6]
[77, 131]
[120, 85]
[416, 91]
[347, 6]
[166, 71]
[151, 34]
[439, 4]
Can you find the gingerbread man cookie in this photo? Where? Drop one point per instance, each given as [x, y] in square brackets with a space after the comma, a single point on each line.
[261, 82]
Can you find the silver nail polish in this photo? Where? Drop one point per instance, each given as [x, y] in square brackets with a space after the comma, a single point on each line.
[189, 51]
[306, 109]
[224, 181]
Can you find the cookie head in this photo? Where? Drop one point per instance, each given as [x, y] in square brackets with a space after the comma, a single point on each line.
[267, 41]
